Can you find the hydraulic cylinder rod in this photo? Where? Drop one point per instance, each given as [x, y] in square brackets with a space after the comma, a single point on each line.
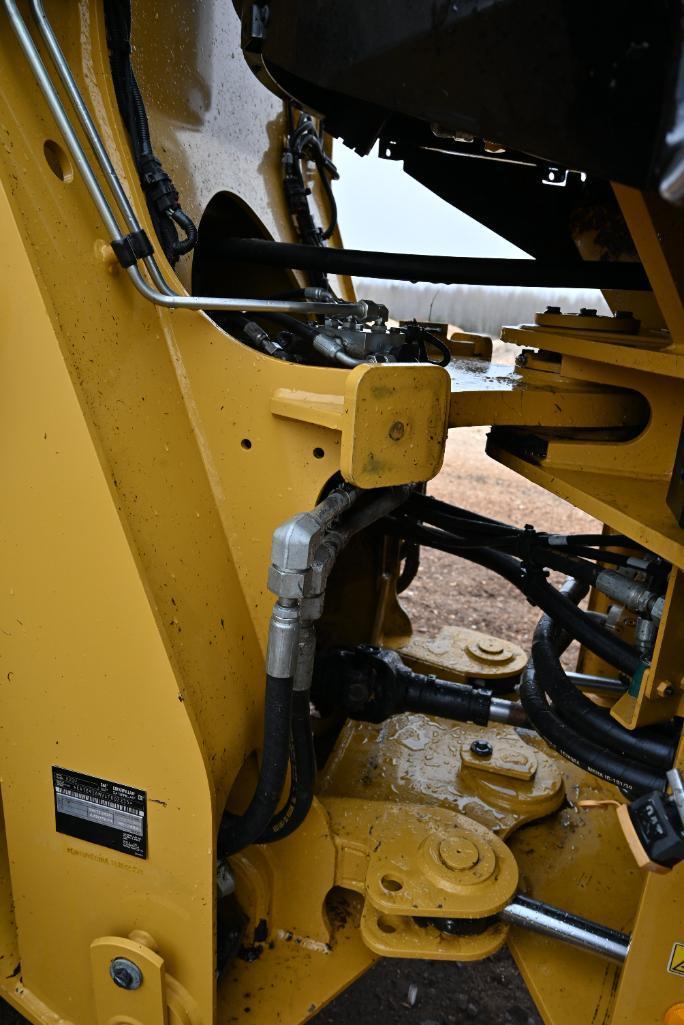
[569, 928]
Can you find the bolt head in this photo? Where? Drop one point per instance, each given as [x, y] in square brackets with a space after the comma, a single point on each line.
[397, 430]
[490, 646]
[125, 974]
[358, 692]
[553, 309]
[481, 748]
[458, 854]
[586, 312]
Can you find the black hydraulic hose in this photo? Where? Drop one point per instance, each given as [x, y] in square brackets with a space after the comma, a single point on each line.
[424, 506]
[464, 522]
[234, 322]
[465, 533]
[238, 831]
[550, 558]
[603, 643]
[298, 327]
[411, 557]
[649, 746]
[322, 294]
[536, 589]
[598, 555]
[601, 540]
[589, 756]
[252, 334]
[302, 773]
[438, 269]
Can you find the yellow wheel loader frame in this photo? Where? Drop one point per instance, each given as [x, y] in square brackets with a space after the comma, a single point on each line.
[148, 457]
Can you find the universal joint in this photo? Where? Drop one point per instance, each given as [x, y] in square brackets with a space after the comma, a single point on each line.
[373, 684]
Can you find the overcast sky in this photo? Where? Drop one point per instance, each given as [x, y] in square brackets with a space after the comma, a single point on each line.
[381, 207]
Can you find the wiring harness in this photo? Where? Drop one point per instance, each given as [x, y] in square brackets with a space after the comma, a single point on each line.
[304, 143]
[168, 217]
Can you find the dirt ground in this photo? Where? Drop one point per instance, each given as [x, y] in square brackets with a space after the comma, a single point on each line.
[450, 590]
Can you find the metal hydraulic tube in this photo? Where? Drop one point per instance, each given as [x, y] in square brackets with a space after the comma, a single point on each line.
[162, 295]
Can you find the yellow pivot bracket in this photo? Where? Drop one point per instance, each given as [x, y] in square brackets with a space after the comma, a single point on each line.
[392, 419]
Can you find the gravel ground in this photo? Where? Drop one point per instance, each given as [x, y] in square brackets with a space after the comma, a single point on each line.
[454, 591]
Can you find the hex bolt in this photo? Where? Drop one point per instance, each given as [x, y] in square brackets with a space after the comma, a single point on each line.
[665, 689]
[481, 748]
[586, 312]
[358, 692]
[125, 973]
[553, 309]
[490, 646]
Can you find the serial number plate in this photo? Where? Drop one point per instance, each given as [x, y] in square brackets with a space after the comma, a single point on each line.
[108, 814]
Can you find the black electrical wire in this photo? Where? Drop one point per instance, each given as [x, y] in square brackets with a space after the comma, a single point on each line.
[322, 166]
[305, 143]
[238, 831]
[445, 353]
[160, 192]
[302, 773]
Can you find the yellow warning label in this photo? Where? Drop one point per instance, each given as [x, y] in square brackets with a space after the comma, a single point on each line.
[676, 965]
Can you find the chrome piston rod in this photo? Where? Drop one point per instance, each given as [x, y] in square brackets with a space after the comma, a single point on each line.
[161, 295]
[600, 684]
[566, 927]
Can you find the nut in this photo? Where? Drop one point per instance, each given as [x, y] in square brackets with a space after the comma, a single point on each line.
[125, 974]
